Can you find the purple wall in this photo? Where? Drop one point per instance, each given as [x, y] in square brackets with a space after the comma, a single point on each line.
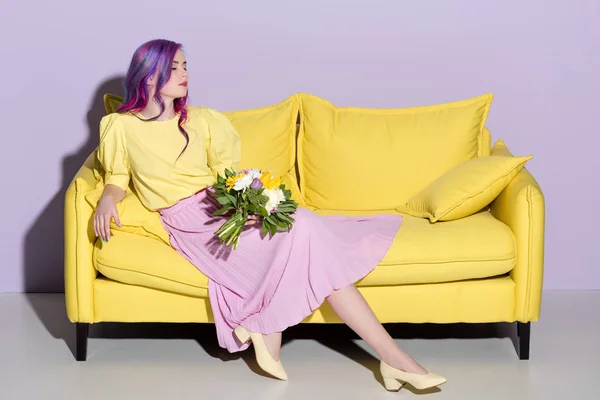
[540, 58]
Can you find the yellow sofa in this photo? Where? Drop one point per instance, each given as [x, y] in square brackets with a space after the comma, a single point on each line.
[485, 267]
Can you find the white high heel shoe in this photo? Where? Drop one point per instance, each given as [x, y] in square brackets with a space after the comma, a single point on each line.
[394, 379]
[263, 357]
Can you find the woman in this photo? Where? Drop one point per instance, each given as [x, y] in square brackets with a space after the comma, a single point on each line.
[172, 152]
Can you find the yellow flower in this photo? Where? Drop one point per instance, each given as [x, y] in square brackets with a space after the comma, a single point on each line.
[269, 181]
[230, 182]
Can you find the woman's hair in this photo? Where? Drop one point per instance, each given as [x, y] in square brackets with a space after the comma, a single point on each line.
[152, 58]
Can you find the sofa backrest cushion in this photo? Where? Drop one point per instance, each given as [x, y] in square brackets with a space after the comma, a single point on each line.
[269, 140]
[376, 159]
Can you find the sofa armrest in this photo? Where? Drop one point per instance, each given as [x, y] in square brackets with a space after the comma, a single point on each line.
[79, 245]
[521, 206]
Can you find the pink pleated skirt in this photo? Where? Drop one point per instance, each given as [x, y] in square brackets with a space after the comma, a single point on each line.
[269, 284]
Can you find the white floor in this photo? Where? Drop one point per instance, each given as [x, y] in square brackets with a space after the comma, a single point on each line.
[164, 361]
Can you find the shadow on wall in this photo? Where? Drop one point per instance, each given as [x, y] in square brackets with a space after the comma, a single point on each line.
[44, 242]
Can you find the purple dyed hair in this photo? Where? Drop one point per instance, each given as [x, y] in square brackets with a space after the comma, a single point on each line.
[153, 58]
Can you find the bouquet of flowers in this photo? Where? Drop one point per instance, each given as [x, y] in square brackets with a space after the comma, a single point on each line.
[252, 192]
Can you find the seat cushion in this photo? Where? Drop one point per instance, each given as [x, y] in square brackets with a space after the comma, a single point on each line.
[474, 247]
[141, 260]
[478, 246]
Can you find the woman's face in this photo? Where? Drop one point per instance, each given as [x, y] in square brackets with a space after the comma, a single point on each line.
[176, 87]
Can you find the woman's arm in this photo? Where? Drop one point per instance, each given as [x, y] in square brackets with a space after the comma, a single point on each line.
[114, 192]
[107, 211]
[112, 156]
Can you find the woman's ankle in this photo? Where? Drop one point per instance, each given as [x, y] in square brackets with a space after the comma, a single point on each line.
[404, 362]
[273, 343]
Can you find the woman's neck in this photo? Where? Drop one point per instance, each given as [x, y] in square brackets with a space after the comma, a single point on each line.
[153, 109]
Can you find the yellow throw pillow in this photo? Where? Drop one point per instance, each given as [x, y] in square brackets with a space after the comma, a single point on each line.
[112, 102]
[500, 149]
[465, 189]
[359, 159]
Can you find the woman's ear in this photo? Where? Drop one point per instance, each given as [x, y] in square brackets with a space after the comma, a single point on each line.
[152, 80]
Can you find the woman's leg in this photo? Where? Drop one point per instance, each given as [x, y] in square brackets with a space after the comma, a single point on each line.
[351, 307]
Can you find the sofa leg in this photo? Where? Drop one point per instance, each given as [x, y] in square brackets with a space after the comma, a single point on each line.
[524, 335]
[81, 341]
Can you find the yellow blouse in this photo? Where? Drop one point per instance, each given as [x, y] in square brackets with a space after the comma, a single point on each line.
[145, 153]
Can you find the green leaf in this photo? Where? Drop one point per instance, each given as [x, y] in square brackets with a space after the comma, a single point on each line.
[263, 212]
[223, 200]
[232, 199]
[284, 217]
[282, 224]
[272, 230]
[264, 228]
[222, 211]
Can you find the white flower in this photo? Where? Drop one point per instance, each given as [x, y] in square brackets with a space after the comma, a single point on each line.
[254, 174]
[276, 197]
[243, 183]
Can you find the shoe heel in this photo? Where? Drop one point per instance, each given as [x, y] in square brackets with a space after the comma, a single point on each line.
[242, 334]
[392, 384]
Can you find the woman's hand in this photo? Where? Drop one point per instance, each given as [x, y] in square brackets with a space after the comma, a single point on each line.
[253, 220]
[105, 211]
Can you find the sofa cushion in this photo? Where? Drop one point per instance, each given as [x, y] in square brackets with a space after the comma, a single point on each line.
[135, 218]
[475, 247]
[376, 159]
[465, 189]
[500, 149]
[478, 246]
[269, 140]
[141, 260]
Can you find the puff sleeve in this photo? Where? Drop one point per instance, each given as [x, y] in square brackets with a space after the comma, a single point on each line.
[112, 154]
[224, 148]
